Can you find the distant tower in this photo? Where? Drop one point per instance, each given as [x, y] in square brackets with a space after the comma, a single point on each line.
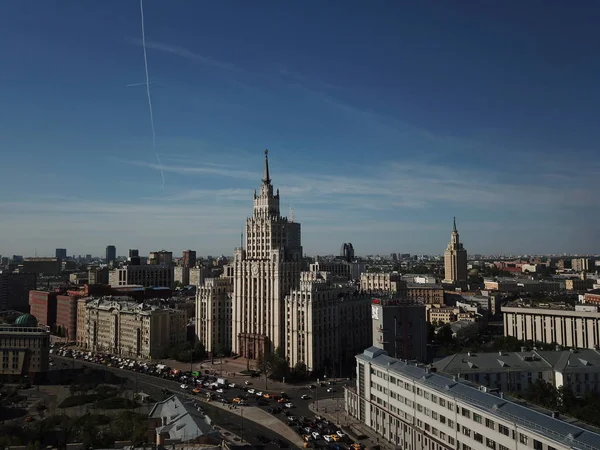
[189, 258]
[111, 254]
[347, 252]
[455, 260]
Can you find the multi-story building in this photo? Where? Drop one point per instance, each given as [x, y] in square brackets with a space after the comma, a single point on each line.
[400, 328]
[383, 282]
[160, 258]
[337, 268]
[181, 274]
[517, 371]
[134, 253]
[98, 275]
[213, 314]
[189, 258]
[42, 266]
[581, 264]
[347, 252]
[147, 276]
[111, 254]
[25, 349]
[592, 297]
[325, 323]
[121, 327]
[415, 408]
[577, 327]
[14, 290]
[198, 275]
[80, 331]
[501, 284]
[61, 253]
[265, 271]
[42, 306]
[455, 261]
[579, 284]
[66, 316]
[431, 294]
[442, 314]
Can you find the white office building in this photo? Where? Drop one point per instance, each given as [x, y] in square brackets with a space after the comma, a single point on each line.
[419, 409]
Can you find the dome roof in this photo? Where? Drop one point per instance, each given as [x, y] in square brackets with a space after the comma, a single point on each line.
[26, 320]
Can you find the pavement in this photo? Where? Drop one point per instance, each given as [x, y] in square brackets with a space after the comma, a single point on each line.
[333, 410]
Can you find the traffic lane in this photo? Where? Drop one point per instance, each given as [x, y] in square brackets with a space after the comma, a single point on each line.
[231, 421]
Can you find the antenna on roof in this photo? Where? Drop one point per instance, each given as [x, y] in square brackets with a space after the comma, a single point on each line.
[292, 215]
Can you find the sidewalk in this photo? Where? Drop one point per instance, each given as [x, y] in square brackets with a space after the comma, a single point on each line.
[333, 410]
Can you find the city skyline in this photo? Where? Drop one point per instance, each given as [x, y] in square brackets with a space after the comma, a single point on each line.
[375, 138]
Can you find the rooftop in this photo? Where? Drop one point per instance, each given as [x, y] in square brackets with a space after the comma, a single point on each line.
[182, 419]
[494, 405]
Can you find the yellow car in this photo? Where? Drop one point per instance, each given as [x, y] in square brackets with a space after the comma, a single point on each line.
[236, 400]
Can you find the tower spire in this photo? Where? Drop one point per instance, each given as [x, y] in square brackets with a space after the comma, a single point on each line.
[266, 178]
[454, 228]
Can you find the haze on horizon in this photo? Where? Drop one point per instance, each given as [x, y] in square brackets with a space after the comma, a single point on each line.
[383, 121]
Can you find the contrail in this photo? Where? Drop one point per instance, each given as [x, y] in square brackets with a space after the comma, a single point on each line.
[162, 175]
[137, 84]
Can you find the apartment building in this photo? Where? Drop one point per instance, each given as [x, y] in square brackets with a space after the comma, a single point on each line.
[121, 327]
[581, 264]
[198, 275]
[400, 328]
[326, 323]
[428, 293]
[577, 327]
[39, 266]
[147, 276]
[14, 290]
[382, 282]
[42, 305]
[80, 330]
[25, 349]
[213, 314]
[517, 371]
[415, 408]
[66, 316]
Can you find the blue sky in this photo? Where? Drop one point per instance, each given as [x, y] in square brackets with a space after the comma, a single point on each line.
[383, 120]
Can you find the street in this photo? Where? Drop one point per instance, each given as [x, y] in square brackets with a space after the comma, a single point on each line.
[232, 421]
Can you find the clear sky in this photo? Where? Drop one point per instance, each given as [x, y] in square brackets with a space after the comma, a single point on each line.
[383, 120]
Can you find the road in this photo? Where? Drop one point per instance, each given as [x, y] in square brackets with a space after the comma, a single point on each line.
[231, 421]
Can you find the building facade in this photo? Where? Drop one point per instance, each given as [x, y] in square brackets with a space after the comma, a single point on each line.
[42, 305]
[121, 327]
[455, 261]
[383, 282]
[189, 258]
[431, 294]
[214, 304]
[45, 266]
[111, 254]
[570, 328]
[160, 258]
[146, 275]
[24, 348]
[400, 328]
[14, 290]
[417, 409]
[66, 316]
[325, 324]
[266, 269]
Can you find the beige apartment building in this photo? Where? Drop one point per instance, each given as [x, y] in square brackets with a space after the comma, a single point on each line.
[574, 328]
[24, 348]
[416, 409]
[326, 323]
[455, 261]
[146, 275]
[426, 293]
[382, 282]
[442, 314]
[121, 327]
[214, 301]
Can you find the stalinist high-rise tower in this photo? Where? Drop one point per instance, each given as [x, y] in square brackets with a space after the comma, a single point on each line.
[266, 269]
[455, 261]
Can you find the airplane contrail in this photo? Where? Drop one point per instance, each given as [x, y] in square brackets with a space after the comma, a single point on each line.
[162, 175]
[137, 84]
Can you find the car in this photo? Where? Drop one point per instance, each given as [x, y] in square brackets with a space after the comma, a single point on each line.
[251, 391]
[330, 389]
[311, 386]
[340, 434]
[289, 405]
[184, 386]
[232, 385]
[259, 394]
[315, 435]
[327, 438]
[305, 397]
[247, 383]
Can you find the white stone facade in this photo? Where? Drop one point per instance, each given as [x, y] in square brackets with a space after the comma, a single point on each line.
[214, 300]
[265, 270]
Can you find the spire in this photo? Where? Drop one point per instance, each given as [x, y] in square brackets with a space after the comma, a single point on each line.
[266, 178]
[454, 229]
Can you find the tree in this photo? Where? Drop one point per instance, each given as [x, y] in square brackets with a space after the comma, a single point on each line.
[300, 370]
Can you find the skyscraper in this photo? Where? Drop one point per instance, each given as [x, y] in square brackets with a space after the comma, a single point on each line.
[189, 258]
[266, 268]
[111, 254]
[61, 253]
[455, 260]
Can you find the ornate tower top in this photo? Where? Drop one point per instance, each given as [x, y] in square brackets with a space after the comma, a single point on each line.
[454, 229]
[266, 178]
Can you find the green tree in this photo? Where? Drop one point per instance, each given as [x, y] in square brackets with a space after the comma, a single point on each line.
[300, 370]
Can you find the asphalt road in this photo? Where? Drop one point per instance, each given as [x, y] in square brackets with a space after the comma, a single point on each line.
[231, 421]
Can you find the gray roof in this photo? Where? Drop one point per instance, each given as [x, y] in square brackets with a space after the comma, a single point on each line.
[531, 361]
[182, 419]
[503, 408]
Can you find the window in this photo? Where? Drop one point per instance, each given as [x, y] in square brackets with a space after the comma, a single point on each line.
[442, 402]
[502, 447]
[477, 418]
[537, 445]
[466, 413]
[466, 431]
[503, 429]
[490, 443]
[478, 437]
[490, 423]
[523, 439]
